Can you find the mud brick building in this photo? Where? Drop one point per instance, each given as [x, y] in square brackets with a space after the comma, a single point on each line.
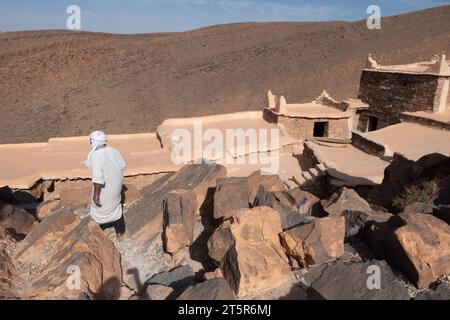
[392, 90]
[416, 92]
[323, 117]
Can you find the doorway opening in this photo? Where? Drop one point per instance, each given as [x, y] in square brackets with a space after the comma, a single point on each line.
[372, 123]
[320, 129]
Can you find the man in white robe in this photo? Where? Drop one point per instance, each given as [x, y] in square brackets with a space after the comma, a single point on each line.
[107, 168]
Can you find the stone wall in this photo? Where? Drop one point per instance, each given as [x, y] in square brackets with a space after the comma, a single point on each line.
[389, 94]
[302, 128]
[383, 120]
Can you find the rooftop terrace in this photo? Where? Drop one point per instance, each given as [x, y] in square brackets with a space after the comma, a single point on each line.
[411, 140]
[22, 165]
[438, 65]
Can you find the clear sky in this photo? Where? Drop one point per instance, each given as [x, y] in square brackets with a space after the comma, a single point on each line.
[142, 16]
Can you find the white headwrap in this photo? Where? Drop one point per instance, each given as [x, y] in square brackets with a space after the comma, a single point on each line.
[98, 138]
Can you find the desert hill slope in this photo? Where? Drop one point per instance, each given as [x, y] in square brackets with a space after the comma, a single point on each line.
[62, 83]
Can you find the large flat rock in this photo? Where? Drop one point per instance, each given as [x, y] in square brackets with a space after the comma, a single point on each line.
[345, 199]
[420, 248]
[7, 270]
[255, 262]
[351, 281]
[16, 221]
[213, 289]
[316, 242]
[145, 219]
[65, 258]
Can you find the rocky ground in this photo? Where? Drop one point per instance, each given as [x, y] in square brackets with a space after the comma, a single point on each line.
[61, 83]
[198, 234]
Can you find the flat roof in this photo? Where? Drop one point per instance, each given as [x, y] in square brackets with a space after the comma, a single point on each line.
[251, 122]
[22, 165]
[411, 140]
[443, 117]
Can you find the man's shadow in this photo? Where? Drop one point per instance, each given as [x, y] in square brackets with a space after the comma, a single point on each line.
[141, 288]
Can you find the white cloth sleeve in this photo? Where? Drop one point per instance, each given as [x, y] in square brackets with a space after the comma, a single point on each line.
[96, 169]
[124, 165]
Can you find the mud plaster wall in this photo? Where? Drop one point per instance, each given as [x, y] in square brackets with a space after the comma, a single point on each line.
[301, 128]
[389, 94]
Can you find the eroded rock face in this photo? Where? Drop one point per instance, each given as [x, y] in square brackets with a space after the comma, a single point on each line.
[241, 192]
[294, 205]
[345, 199]
[219, 243]
[268, 182]
[256, 261]
[130, 195]
[40, 241]
[358, 281]
[76, 197]
[157, 292]
[178, 278]
[317, 242]
[442, 292]
[7, 270]
[180, 212]
[17, 222]
[420, 207]
[58, 250]
[46, 208]
[231, 194]
[356, 223]
[420, 248]
[214, 289]
[145, 219]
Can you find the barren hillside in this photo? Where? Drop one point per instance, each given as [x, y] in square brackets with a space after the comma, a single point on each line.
[61, 83]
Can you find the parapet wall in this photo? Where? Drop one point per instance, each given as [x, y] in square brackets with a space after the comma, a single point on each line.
[369, 147]
[325, 99]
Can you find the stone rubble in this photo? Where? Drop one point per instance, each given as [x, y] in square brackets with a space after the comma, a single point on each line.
[196, 234]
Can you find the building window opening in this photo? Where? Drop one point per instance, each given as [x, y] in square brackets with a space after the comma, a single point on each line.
[320, 129]
[372, 124]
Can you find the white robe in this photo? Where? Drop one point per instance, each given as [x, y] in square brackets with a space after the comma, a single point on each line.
[107, 167]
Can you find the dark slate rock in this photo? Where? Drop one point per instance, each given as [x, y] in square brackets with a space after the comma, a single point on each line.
[214, 289]
[349, 281]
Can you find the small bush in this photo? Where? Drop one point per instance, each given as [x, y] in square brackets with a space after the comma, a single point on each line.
[425, 192]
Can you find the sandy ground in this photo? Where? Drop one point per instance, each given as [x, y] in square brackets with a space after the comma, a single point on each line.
[64, 83]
